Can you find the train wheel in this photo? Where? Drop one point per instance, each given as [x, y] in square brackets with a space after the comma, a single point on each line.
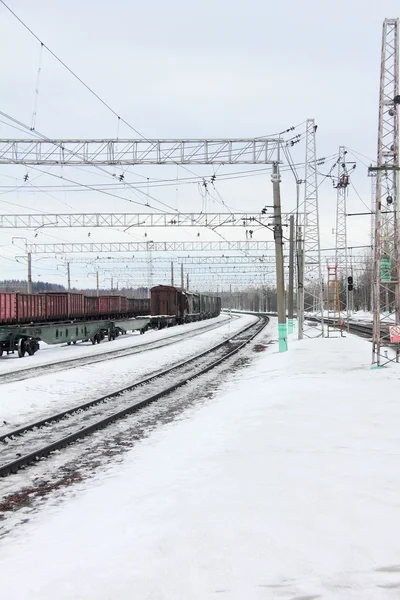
[21, 348]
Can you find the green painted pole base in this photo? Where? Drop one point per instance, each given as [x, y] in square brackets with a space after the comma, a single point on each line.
[282, 337]
[375, 367]
[290, 326]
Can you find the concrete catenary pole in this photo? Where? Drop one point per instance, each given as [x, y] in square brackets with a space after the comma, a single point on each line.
[97, 283]
[69, 276]
[280, 282]
[182, 278]
[29, 273]
[300, 285]
[172, 273]
[291, 275]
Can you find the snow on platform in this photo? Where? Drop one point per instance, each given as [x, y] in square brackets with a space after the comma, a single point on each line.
[284, 485]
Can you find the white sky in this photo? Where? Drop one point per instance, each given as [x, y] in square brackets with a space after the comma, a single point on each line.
[179, 69]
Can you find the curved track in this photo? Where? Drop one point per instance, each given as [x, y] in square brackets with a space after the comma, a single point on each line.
[71, 363]
[91, 416]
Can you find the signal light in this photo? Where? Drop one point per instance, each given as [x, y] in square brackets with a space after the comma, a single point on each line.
[350, 283]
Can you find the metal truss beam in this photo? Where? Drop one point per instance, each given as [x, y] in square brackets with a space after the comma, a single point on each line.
[187, 260]
[215, 278]
[140, 152]
[132, 247]
[127, 220]
[195, 260]
[202, 270]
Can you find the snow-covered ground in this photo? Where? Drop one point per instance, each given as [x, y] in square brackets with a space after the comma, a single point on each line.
[29, 400]
[284, 485]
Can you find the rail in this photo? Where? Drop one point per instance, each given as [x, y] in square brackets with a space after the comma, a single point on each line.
[228, 344]
[72, 363]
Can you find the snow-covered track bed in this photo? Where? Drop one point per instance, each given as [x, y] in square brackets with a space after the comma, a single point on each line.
[72, 363]
[363, 330]
[27, 444]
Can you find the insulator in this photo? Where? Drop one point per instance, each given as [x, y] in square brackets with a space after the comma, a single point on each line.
[389, 200]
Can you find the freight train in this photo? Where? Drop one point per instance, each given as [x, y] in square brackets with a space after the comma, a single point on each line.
[26, 319]
[172, 305]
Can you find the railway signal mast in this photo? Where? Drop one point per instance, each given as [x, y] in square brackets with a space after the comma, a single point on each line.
[341, 258]
[386, 264]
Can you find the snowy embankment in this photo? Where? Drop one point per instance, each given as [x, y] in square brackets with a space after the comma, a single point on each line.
[29, 400]
[49, 354]
[284, 485]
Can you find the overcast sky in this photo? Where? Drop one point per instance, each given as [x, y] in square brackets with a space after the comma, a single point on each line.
[183, 69]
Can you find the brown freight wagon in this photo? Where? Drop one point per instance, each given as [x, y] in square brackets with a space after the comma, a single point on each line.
[123, 305]
[141, 306]
[130, 305]
[76, 305]
[166, 300]
[104, 304]
[91, 306]
[115, 304]
[110, 304]
[56, 305]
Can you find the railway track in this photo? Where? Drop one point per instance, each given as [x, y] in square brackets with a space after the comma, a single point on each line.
[361, 329]
[72, 363]
[29, 443]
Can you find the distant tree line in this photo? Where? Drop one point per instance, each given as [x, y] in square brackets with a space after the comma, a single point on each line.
[21, 285]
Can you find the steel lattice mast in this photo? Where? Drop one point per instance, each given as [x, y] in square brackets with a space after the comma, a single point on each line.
[341, 258]
[313, 282]
[341, 230]
[386, 263]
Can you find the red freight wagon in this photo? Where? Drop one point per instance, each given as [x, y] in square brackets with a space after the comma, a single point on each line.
[76, 305]
[8, 307]
[56, 305]
[104, 304]
[21, 308]
[91, 306]
[110, 304]
[30, 308]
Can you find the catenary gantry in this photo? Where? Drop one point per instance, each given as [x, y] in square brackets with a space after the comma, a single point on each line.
[132, 247]
[140, 152]
[35, 221]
